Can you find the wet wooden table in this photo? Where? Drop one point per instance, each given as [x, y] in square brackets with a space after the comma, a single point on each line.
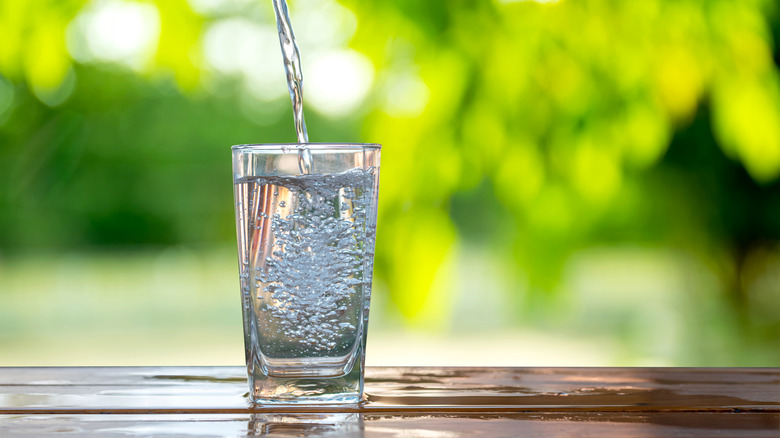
[402, 402]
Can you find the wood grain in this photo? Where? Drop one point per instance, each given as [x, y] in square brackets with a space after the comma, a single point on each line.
[440, 402]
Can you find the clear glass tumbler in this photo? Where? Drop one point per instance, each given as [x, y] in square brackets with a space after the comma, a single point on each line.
[306, 258]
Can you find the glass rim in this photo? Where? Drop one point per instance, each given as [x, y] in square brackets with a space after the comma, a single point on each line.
[293, 147]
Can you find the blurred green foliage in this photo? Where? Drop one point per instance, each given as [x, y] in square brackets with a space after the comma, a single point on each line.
[531, 131]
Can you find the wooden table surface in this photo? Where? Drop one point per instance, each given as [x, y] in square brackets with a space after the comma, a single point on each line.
[401, 402]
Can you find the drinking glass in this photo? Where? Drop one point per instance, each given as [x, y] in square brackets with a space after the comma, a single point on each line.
[306, 257]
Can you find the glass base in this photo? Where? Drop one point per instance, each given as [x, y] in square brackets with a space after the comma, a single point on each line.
[346, 389]
[317, 367]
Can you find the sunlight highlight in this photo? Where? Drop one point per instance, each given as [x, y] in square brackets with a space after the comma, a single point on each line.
[117, 31]
[339, 82]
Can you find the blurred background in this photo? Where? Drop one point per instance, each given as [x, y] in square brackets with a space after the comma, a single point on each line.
[573, 182]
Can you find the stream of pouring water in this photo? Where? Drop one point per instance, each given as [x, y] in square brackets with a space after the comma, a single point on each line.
[292, 66]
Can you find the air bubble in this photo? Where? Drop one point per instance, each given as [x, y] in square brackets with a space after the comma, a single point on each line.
[313, 269]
